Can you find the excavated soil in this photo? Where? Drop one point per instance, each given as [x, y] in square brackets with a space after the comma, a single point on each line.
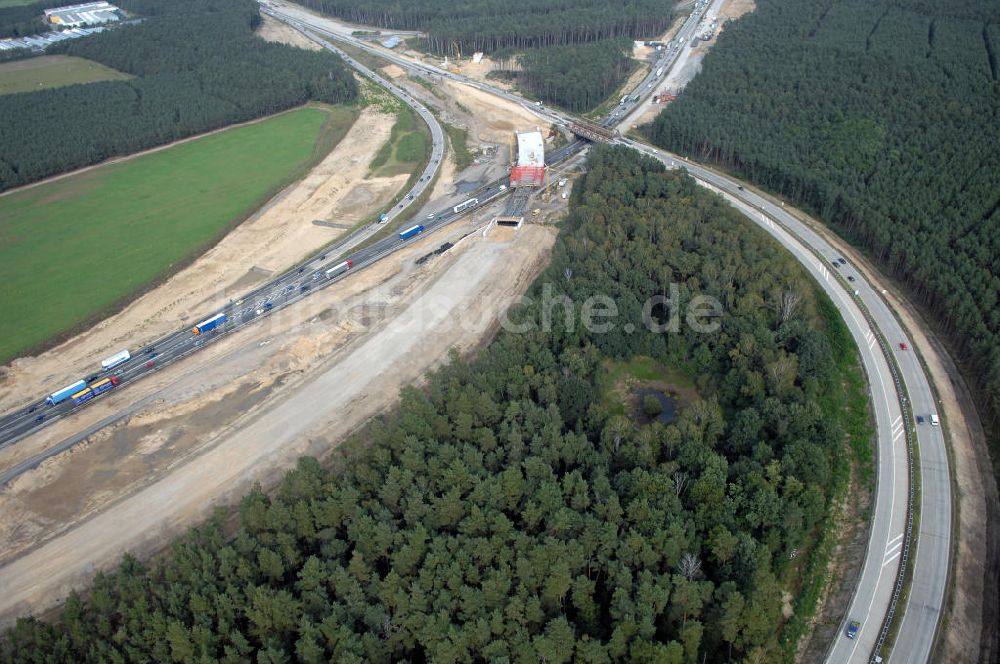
[243, 410]
[275, 31]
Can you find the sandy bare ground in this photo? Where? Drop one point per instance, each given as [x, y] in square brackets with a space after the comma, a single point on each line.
[276, 31]
[733, 9]
[688, 65]
[478, 71]
[334, 375]
[488, 121]
[271, 240]
[496, 119]
[393, 71]
[109, 464]
[445, 183]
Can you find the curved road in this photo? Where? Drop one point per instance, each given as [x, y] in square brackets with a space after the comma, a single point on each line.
[931, 558]
[277, 293]
[875, 329]
[878, 337]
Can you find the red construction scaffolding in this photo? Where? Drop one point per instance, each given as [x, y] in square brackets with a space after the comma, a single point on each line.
[529, 167]
[527, 176]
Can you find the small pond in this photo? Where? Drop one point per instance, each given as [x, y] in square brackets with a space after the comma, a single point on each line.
[668, 405]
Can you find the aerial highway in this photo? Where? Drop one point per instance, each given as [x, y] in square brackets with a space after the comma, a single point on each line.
[899, 388]
[889, 537]
[285, 289]
[893, 541]
[272, 296]
[311, 24]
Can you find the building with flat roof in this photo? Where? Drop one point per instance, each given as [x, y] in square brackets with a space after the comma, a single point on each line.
[40, 42]
[90, 13]
[529, 171]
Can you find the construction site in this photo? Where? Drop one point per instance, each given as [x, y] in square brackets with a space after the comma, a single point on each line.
[149, 461]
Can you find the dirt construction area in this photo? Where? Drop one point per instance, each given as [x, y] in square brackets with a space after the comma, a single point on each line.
[488, 121]
[688, 64]
[276, 31]
[201, 431]
[270, 241]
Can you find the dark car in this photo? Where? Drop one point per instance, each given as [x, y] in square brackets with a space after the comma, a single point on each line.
[301, 270]
[740, 187]
[150, 364]
[852, 629]
[149, 350]
[304, 288]
[39, 418]
[920, 419]
[835, 263]
[31, 410]
[92, 377]
[850, 278]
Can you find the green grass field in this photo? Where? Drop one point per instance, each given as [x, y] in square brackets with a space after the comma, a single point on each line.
[52, 71]
[459, 144]
[645, 370]
[406, 148]
[73, 250]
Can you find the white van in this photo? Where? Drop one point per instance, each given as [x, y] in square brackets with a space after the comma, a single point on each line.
[934, 419]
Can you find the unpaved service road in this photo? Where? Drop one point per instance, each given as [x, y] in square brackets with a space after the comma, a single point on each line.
[456, 308]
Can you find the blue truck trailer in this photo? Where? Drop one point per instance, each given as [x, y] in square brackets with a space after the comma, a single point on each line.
[65, 393]
[86, 394]
[104, 385]
[208, 325]
[411, 231]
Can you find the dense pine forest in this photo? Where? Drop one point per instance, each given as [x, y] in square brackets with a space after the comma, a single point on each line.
[577, 77]
[491, 25]
[883, 117]
[507, 513]
[199, 67]
[592, 37]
